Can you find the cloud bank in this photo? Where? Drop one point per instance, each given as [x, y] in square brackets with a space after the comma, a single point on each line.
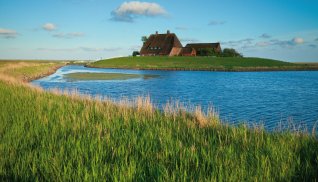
[49, 27]
[68, 35]
[282, 43]
[298, 40]
[250, 43]
[129, 11]
[7, 33]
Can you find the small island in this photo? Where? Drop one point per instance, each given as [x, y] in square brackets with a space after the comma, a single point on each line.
[165, 52]
[201, 64]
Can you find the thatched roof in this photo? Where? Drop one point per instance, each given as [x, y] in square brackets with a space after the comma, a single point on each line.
[160, 44]
[215, 46]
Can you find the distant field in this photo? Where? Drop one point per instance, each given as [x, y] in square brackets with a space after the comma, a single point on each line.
[200, 63]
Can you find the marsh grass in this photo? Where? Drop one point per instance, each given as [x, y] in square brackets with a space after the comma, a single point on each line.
[27, 71]
[65, 136]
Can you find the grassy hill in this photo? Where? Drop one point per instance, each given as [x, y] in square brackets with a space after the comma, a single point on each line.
[51, 136]
[200, 63]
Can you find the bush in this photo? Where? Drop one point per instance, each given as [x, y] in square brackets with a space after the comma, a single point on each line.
[135, 53]
[230, 52]
[207, 52]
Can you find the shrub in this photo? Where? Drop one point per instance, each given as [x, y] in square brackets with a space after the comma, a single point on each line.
[135, 53]
[230, 52]
[207, 52]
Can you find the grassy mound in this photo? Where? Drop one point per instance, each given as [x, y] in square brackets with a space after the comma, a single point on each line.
[200, 63]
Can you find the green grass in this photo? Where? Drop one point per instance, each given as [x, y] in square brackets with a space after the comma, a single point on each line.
[47, 136]
[201, 63]
[105, 76]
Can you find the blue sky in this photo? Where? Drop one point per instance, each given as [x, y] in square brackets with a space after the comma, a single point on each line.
[93, 29]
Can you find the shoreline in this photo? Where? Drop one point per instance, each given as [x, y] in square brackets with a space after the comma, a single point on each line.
[27, 72]
[42, 75]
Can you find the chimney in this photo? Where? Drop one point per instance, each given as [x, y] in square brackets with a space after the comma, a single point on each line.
[156, 32]
[168, 31]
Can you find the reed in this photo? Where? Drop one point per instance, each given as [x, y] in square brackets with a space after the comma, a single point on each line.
[65, 136]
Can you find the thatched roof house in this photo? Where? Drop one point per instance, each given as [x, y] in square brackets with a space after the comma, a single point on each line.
[168, 44]
[160, 44]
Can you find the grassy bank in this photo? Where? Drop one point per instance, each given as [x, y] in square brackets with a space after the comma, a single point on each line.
[200, 63]
[28, 70]
[51, 136]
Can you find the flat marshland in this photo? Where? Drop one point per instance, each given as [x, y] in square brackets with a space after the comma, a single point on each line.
[62, 136]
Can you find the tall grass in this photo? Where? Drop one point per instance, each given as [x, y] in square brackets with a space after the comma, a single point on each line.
[61, 136]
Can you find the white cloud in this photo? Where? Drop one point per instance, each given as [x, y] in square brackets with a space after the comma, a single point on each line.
[298, 40]
[128, 11]
[68, 35]
[214, 22]
[7, 33]
[49, 27]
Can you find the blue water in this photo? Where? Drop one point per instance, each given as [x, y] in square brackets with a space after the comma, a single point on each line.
[269, 98]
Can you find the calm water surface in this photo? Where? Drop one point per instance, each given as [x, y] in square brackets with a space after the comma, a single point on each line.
[268, 98]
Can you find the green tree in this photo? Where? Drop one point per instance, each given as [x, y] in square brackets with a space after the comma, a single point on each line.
[144, 39]
[230, 52]
[135, 53]
[207, 52]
